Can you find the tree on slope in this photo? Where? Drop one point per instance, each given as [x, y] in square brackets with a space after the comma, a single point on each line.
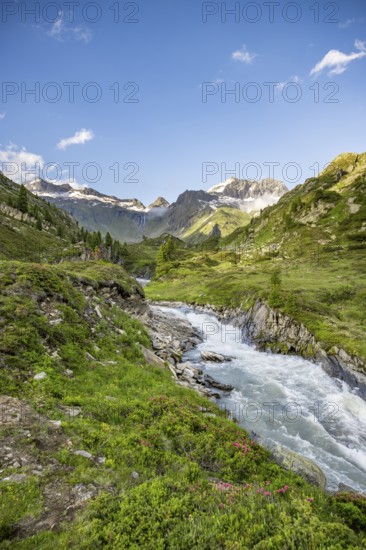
[22, 202]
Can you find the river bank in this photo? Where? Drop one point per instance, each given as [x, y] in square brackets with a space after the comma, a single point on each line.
[269, 389]
[272, 331]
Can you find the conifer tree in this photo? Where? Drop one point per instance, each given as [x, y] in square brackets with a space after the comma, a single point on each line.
[22, 202]
[108, 240]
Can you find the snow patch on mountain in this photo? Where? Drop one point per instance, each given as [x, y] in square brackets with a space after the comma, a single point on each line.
[220, 187]
[75, 192]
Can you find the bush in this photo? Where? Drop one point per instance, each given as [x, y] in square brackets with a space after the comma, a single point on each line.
[340, 294]
[352, 508]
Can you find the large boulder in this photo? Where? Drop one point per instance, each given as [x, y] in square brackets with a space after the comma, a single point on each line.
[302, 466]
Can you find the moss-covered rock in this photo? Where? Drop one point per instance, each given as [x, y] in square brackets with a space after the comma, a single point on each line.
[302, 466]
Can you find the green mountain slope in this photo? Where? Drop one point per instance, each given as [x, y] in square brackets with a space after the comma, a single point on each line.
[315, 236]
[39, 232]
[227, 220]
[327, 212]
[141, 257]
[31, 229]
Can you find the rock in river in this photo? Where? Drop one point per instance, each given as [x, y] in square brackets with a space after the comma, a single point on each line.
[216, 384]
[214, 357]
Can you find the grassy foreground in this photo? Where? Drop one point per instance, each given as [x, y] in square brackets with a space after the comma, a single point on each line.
[165, 469]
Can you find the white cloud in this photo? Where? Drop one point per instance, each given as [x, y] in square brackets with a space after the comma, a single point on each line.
[296, 79]
[69, 181]
[57, 28]
[338, 61]
[280, 86]
[2, 115]
[82, 33]
[18, 164]
[243, 55]
[79, 138]
[61, 31]
[347, 23]
[75, 185]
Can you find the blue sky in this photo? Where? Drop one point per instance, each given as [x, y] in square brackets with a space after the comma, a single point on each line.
[174, 132]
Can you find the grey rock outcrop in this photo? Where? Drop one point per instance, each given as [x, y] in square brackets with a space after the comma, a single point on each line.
[302, 466]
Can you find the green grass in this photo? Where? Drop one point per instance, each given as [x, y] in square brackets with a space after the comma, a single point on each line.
[172, 476]
[228, 219]
[141, 258]
[319, 286]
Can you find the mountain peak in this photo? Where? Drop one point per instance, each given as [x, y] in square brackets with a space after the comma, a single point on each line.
[160, 202]
[69, 191]
[39, 185]
[249, 189]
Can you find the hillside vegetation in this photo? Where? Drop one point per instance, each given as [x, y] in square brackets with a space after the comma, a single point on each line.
[31, 229]
[225, 219]
[315, 237]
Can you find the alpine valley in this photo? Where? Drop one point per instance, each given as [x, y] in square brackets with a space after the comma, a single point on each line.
[127, 405]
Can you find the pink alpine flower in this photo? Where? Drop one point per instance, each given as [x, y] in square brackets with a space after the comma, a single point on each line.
[283, 489]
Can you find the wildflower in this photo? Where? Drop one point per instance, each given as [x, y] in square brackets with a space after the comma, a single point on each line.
[310, 499]
[224, 486]
[267, 493]
[268, 483]
[283, 489]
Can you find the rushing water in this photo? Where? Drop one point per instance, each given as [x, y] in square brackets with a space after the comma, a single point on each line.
[287, 400]
[143, 282]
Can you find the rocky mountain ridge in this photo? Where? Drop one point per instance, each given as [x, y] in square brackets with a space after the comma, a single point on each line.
[192, 215]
